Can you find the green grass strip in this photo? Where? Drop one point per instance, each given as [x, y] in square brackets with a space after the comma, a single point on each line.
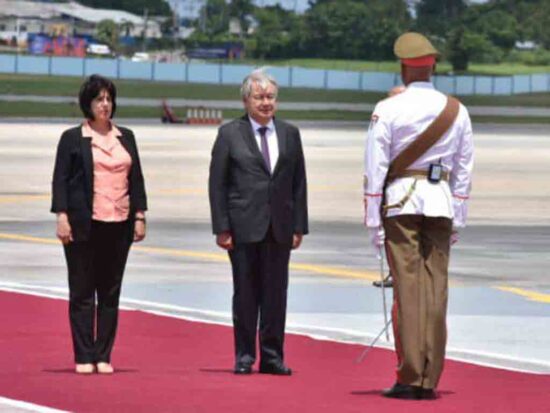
[69, 86]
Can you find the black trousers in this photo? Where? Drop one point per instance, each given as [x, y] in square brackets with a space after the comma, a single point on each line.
[260, 284]
[96, 267]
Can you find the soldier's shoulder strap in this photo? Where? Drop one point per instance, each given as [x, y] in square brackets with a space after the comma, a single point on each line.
[426, 139]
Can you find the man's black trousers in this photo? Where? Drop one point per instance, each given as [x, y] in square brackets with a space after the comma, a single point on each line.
[260, 284]
[96, 267]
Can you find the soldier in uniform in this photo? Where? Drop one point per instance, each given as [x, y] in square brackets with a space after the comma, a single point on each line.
[415, 202]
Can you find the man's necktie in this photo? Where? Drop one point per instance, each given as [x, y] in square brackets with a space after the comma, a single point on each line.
[264, 147]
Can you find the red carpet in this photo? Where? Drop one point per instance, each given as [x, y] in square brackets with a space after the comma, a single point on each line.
[169, 365]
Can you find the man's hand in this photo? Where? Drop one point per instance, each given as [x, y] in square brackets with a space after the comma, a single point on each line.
[396, 90]
[297, 241]
[454, 237]
[64, 232]
[225, 240]
[365, 206]
[139, 231]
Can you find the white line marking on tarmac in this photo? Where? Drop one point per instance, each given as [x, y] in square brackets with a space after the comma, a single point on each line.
[318, 333]
[31, 407]
[22, 290]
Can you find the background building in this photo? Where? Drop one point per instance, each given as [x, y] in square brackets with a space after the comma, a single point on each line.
[19, 19]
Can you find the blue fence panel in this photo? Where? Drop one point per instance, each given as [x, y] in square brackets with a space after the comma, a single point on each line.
[312, 78]
[7, 63]
[135, 70]
[174, 72]
[286, 76]
[234, 74]
[503, 85]
[521, 84]
[66, 66]
[204, 73]
[445, 84]
[540, 83]
[340, 79]
[36, 65]
[379, 82]
[483, 85]
[282, 75]
[103, 67]
[465, 85]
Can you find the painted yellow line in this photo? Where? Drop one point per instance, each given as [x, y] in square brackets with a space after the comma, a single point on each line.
[333, 188]
[530, 295]
[182, 253]
[203, 190]
[15, 237]
[180, 191]
[8, 199]
[308, 268]
[336, 272]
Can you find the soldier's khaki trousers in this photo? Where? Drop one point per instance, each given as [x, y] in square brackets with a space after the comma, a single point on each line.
[417, 248]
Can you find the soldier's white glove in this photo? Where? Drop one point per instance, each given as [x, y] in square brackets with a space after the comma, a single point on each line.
[454, 237]
[377, 237]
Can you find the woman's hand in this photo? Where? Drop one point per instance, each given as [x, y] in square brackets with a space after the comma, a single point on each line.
[63, 231]
[139, 229]
[296, 241]
[225, 240]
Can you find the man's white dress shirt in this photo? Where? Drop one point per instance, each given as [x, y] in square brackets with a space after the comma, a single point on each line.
[272, 143]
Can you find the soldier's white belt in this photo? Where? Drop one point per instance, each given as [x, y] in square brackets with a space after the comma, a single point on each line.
[411, 173]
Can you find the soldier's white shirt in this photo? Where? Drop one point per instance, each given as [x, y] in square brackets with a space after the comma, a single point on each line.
[395, 123]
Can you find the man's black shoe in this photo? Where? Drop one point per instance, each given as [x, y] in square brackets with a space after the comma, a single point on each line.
[404, 391]
[278, 369]
[242, 368]
[429, 394]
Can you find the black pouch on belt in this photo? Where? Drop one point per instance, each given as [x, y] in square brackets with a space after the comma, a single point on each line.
[435, 172]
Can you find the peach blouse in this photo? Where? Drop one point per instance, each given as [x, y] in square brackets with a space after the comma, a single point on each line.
[111, 200]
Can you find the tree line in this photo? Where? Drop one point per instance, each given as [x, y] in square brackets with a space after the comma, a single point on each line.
[463, 31]
[365, 29]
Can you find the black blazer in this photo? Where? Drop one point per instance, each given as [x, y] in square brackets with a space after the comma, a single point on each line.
[72, 186]
[244, 197]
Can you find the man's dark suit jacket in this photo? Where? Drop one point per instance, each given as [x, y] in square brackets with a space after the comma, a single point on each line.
[72, 186]
[244, 197]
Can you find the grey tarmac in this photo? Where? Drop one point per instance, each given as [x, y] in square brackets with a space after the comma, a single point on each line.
[499, 311]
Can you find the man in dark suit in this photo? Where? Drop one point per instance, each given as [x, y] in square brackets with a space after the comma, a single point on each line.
[258, 203]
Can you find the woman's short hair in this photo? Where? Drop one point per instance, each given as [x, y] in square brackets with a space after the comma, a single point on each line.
[259, 76]
[90, 89]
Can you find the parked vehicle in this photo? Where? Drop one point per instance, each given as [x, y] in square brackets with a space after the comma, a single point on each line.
[140, 57]
[99, 49]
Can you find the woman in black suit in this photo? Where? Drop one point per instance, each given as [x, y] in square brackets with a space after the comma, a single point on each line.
[99, 197]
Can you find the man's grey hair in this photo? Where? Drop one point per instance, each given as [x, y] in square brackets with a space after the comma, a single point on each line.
[259, 76]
